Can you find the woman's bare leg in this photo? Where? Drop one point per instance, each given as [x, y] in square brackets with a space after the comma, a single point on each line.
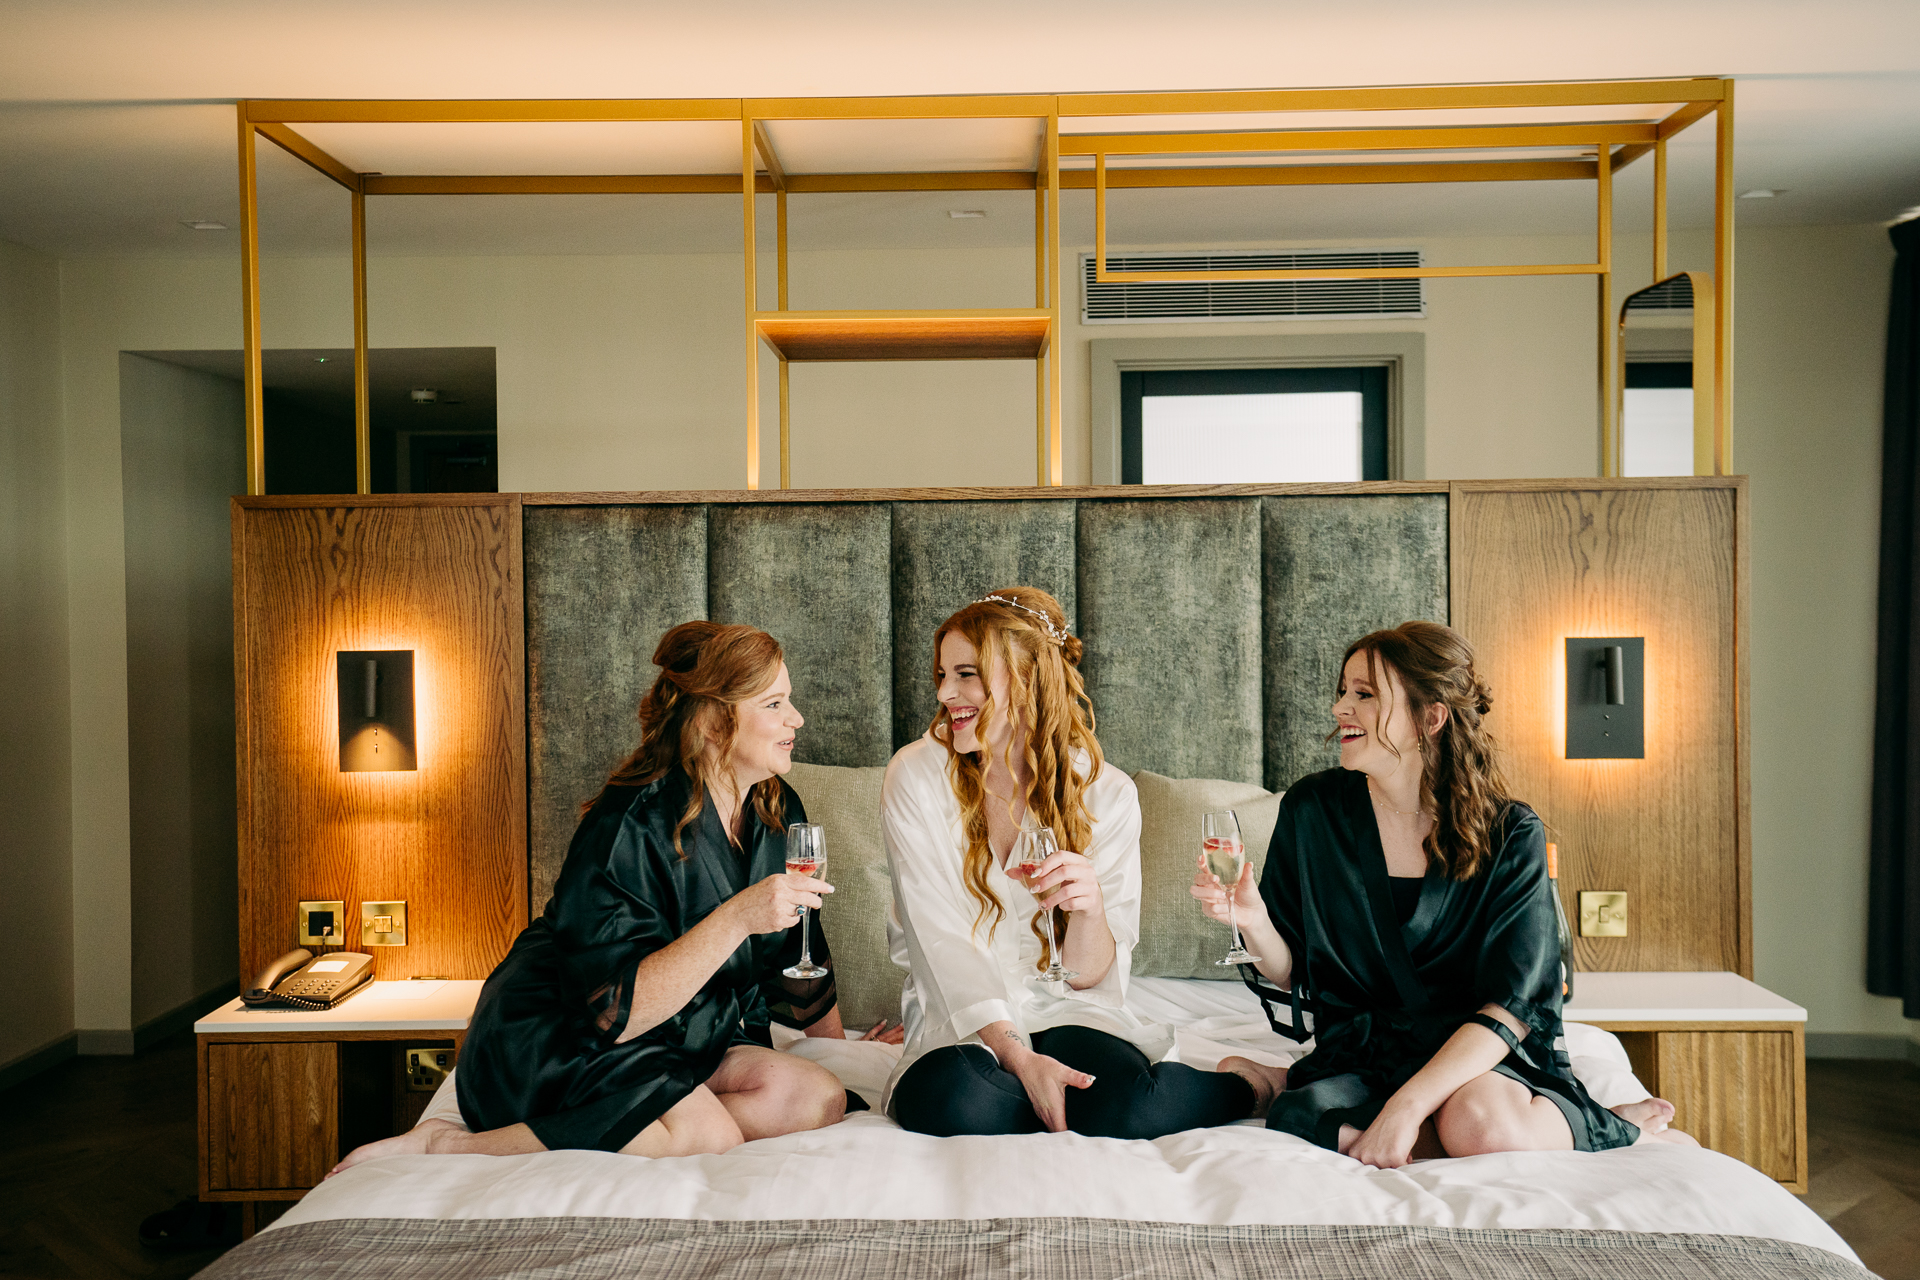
[443, 1137]
[1495, 1113]
[697, 1125]
[1265, 1081]
[769, 1094]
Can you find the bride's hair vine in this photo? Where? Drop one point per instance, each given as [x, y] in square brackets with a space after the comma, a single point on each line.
[1056, 634]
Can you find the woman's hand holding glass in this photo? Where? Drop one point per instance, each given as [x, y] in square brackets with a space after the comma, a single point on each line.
[773, 904]
[1241, 905]
[1066, 880]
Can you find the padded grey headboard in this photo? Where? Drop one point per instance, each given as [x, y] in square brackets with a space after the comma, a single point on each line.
[1198, 615]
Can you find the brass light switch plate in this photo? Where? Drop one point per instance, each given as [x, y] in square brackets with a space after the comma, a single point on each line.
[1603, 914]
[321, 924]
[383, 924]
[427, 1069]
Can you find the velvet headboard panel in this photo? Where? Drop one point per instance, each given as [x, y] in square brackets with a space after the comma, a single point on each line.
[1212, 625]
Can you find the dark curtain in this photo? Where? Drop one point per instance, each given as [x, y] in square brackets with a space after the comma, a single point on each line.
[1893, 896]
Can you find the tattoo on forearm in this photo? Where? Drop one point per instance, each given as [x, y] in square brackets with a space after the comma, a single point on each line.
[1011, 1035]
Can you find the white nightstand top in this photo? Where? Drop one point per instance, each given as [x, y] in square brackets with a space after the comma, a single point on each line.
[380, 1006]
[1675, 997]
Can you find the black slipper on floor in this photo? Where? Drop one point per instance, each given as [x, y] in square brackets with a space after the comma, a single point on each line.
[192, 1225]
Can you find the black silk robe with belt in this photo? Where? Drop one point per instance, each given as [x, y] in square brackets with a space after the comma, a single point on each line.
[543, 1046]
[1384, 997]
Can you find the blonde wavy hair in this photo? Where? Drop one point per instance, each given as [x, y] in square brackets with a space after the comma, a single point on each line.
[706, 671]
[1047, 697]
[1461, 782]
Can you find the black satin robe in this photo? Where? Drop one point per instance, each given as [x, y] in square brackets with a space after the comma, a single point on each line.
[1384, 997]
[542, 1045]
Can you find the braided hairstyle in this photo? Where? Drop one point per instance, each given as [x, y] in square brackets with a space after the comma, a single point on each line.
[1024, 633]
[1460, 780]
[706, 670]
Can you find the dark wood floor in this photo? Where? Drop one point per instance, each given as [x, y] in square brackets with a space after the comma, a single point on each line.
[89, 1149]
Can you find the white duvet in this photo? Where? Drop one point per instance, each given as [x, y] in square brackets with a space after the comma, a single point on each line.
[868, 1167]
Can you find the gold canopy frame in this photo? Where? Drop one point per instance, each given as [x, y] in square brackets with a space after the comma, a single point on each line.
[1417, 153]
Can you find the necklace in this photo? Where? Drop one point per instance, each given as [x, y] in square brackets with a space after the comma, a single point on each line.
[1416, 813]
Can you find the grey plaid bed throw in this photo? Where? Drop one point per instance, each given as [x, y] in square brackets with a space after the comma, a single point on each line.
[1052, 1248]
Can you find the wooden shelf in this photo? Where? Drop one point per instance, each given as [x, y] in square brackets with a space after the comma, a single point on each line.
[905, 335]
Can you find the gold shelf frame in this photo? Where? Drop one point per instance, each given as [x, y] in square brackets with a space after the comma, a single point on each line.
[892, 334]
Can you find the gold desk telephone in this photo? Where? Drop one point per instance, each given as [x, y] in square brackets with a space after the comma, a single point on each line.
[296, 980]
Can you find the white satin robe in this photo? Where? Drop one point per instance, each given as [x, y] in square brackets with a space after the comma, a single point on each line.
[958, 978]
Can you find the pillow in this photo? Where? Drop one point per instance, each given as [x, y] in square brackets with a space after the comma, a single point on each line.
[854, 917]
[1176, 939]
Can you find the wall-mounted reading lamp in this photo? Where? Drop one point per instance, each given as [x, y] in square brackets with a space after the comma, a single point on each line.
[1606, 698]
[376, 710]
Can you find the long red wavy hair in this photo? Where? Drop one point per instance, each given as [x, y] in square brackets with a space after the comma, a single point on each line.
[1047, 698]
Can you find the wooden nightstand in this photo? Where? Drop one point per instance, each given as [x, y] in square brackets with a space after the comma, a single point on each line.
[1729, 1055]
[284, 1093]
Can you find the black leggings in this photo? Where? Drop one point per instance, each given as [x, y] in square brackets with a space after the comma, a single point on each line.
[964, 1089]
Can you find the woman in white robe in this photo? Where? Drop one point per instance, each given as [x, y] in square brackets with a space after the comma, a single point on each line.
[992, 1046]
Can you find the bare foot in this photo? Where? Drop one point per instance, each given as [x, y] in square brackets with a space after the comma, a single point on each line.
[1651, 1114]
[417, 1141]
[1266, 1082]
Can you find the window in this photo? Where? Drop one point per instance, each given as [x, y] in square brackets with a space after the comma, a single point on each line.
[1656, 420]
[1253, 426]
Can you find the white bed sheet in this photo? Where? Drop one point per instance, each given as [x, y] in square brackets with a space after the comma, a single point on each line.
[868, 1167]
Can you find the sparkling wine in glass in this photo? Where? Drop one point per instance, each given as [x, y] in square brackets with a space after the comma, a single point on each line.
[1032, 848]
[806, 856]
[1226, 859]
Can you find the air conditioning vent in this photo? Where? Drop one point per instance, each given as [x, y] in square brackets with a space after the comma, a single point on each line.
[1673, 294]
[1116, 303]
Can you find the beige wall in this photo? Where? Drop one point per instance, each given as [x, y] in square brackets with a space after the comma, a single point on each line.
[181, 435]
[110, 306]
[624, 373]
[36, 871]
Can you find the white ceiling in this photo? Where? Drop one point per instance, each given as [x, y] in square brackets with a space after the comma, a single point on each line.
[116, 123]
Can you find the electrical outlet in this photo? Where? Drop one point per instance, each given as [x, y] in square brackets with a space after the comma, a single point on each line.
[1603, 914]
[321, 924]
[427, 1069]
[383, 924]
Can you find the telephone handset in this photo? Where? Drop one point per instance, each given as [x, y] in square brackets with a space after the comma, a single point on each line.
[299, 981]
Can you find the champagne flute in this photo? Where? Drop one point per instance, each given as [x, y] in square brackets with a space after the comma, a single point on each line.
[806, 856]
[1226, 859]
[1032, 847]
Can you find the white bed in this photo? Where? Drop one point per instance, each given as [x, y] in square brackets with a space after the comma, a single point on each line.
[869, 1168]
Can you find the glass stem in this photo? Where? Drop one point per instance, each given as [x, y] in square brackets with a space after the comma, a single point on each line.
[1053, 945]
[1233, 919]
[806, 941]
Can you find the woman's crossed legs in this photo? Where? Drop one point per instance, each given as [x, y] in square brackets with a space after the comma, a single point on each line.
[1494, 1113]
[756, 1093]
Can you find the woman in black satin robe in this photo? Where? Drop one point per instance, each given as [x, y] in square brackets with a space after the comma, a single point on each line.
[1405, 904]
[633, 1015]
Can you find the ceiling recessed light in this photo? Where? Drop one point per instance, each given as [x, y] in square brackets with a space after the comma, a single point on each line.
[1763, 193]
[966, 213]
[203, 224]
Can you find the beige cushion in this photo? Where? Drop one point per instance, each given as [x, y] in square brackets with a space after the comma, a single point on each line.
[1176, 940]
[847, 803]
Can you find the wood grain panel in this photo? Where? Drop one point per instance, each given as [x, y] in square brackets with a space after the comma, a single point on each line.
[271, 1115]
[449, 839]
[1535, 565]
[1736, 1091]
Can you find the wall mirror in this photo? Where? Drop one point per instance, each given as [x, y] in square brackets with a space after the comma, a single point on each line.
[1666, 380]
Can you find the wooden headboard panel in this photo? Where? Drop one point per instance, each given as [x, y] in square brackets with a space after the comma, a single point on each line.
[534, 618]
